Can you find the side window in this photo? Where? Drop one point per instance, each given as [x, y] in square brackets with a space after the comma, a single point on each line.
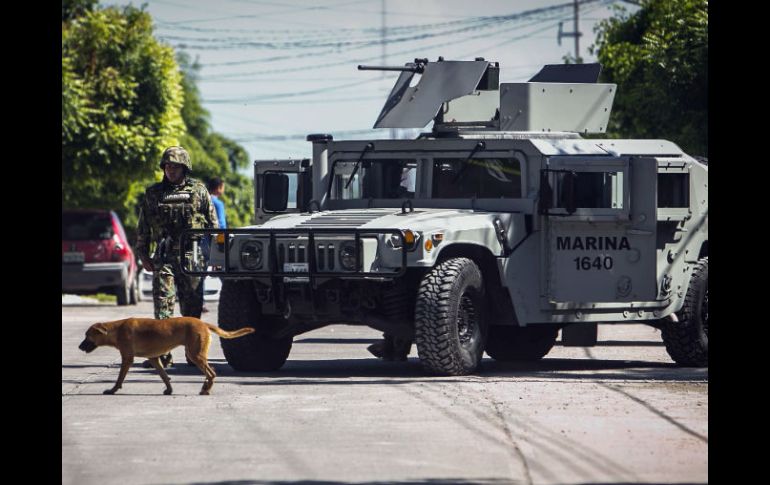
[673, 190]
[592, 190]
[489, 178]
[376, 179]
[344, 187]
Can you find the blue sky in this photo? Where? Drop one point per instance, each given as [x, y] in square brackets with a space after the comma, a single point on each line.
[273, 71]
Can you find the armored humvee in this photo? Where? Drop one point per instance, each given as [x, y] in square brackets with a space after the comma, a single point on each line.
[492, 232]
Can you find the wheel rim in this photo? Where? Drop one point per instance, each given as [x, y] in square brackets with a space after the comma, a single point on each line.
[467, 321]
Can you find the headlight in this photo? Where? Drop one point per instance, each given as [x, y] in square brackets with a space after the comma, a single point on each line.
[348, 256]
[251, 254]
[411, 238]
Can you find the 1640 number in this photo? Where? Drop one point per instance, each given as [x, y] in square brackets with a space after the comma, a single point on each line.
[587, 263]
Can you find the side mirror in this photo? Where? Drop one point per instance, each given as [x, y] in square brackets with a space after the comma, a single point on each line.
[568, 192]
[276, 192]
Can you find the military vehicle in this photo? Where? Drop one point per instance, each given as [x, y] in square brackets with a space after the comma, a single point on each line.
[493, 231]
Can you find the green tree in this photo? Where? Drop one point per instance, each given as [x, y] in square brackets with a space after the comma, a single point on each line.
[71, 9]
[121, 106]
[658, 57]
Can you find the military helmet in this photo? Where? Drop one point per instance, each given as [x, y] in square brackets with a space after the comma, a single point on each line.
[176, 155]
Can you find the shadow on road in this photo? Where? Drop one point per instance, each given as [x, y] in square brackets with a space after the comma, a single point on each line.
[374, 371]
[426, 481]
[336, 341]
[90, 305]
[545, 369]
[625, 343]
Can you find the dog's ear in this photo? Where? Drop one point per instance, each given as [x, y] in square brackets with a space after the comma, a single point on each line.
[99, 327]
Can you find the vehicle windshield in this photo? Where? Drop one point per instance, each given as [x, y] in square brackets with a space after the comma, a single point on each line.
[374, 179]
[482, 178]
[453, 178]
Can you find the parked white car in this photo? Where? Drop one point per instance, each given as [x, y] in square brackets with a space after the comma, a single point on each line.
[211, 287]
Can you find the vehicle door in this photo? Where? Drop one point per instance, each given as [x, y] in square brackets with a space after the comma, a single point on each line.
[599, 229]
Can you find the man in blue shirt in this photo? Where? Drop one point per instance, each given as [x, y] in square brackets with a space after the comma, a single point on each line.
[216, 189]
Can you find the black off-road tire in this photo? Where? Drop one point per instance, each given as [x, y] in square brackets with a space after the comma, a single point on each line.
[687, 341]
[450, 320]
[123, 293]
[258, 351]
[514, 343]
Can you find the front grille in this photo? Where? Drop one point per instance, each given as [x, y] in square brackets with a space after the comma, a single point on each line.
[296, 252]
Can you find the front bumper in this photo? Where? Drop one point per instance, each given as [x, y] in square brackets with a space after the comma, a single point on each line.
[302, 255]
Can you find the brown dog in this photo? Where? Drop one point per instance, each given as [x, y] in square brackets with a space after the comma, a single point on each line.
[147, 337]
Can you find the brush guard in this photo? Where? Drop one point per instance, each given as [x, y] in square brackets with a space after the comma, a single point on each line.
[273, 258]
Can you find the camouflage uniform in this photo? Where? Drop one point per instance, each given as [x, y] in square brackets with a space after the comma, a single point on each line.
[167, 210]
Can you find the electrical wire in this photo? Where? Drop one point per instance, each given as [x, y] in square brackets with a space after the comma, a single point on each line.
[353, 61]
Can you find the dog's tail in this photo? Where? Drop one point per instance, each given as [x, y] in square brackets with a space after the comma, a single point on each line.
[234, 334]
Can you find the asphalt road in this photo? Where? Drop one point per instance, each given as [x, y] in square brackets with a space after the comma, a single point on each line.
[620, 412]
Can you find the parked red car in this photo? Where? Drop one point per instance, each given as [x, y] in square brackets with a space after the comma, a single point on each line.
[96, 256]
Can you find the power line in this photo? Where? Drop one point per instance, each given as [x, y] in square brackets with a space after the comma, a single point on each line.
[344, 43]
[352, 61]
[340, 43]
[265, 14]
[291, 94]
[346, 99]
[345, 32]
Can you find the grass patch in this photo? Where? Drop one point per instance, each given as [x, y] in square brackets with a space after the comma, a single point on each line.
[104, 297]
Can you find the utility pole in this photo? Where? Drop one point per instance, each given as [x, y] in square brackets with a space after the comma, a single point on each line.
[575, 33]
[383, 35]
[383, 40]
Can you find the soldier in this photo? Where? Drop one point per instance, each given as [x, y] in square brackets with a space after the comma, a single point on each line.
[176, 203]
